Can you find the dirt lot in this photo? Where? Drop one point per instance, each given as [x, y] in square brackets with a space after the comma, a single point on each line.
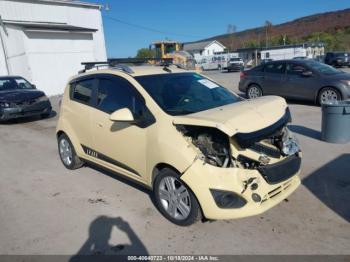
[46, 209]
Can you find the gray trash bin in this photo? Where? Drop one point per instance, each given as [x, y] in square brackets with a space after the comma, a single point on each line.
[336, 122]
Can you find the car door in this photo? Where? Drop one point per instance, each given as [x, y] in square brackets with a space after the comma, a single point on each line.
[299, 85]
[80, 110]
[274, 76]
[120, 145]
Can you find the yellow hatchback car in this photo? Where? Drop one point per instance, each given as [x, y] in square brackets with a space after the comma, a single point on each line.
[204, 151]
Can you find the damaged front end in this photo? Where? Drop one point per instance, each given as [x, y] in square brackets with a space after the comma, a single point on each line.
[253, 150]
[249, 168]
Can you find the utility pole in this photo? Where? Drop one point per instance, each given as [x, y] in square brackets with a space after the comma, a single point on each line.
[268, 25]
[2, 25]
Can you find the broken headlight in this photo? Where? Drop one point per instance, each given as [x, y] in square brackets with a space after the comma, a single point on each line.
[290, 144]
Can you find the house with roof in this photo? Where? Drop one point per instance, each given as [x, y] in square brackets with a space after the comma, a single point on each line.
[45, 41]
[203, 48]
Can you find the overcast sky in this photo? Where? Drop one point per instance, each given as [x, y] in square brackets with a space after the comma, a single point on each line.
[190, 20]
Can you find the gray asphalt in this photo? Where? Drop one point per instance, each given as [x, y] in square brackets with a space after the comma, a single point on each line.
[46, 209]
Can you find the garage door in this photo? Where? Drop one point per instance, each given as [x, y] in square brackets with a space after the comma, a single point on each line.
[53, 57]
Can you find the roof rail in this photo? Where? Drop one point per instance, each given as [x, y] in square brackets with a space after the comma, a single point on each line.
[120, 63]
[147, 60]
[97, 65]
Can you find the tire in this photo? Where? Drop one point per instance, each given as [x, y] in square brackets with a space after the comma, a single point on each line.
[328, 94]
[67, 153]
[186, 209]
[254, 91]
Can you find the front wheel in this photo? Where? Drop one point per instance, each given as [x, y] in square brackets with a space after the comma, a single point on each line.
[174, 199]
[328, 95]
[67, 153]
[254, 91]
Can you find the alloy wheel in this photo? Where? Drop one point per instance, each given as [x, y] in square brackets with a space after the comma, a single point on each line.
[328, 96]
[66, 152]
[254, 92]
[174, 197]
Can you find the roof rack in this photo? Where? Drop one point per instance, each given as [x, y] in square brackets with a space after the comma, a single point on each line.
[120, 63]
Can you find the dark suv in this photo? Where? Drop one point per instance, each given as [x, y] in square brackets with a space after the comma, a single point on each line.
[337, 59]
[296, 79]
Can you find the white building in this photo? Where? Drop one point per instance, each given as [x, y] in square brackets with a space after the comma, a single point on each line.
[203, 49]
[45, 41]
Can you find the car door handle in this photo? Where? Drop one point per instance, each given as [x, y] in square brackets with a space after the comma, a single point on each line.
[99, 124]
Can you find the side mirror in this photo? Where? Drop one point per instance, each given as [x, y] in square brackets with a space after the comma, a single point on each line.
[34, 86]
[122, 115]
[306, 73]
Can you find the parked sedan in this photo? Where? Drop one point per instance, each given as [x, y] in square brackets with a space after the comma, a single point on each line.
[296, 79]
[19, 98]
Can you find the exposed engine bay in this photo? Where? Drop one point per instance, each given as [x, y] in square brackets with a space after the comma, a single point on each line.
[219, 150]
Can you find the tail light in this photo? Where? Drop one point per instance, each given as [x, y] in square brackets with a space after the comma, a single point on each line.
[242, 74]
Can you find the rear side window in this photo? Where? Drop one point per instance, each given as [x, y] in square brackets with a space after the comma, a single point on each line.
[274, 68]
[7, 84]
[82, 91]
[117, 93]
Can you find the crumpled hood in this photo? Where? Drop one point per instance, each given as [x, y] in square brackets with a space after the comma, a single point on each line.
[242, 117]
[18, 95]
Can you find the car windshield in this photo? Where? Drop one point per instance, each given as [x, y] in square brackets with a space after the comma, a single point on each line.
[340, 54]
[323, 68]
[14, 83]
[186, 93]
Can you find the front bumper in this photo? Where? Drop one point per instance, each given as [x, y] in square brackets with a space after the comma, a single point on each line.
[202, 178]
[38, 108]
[235, 67]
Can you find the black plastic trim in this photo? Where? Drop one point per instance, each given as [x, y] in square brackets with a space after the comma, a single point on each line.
[107, 159]
[236, 200]
[281, 171]
[246, 140]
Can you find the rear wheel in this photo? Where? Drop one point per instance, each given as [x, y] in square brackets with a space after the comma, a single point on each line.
[254, 91]
[67, 153]
[174, 199]
[328, 95]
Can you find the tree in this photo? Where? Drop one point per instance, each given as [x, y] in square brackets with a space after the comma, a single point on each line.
[145, 53]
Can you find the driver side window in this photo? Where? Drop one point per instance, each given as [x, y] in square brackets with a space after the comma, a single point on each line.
[115, 93]
[295, 69]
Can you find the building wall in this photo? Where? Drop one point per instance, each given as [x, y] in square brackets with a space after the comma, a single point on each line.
[57, 13]
[48, 59]
[212, 48]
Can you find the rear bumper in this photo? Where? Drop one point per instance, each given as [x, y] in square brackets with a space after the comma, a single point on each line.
[203, 178]
[39, 108]
[242, 86]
